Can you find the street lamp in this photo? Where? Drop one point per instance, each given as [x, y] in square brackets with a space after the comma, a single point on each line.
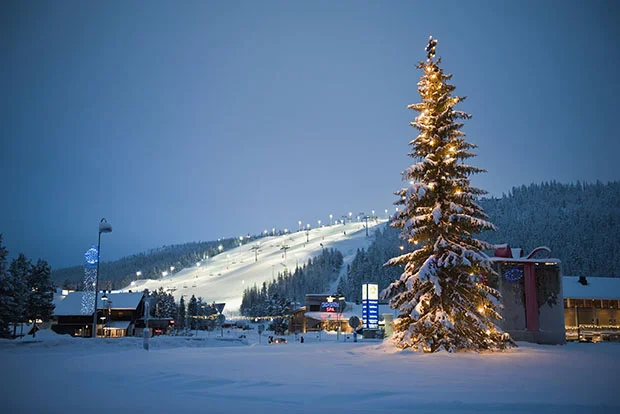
[104, 227]
[108, 302]
[299, 225]
[331, 216]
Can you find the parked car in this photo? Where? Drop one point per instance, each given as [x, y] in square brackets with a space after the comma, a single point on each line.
[273, 340]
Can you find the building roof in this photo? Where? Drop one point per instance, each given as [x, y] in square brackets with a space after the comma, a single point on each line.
[71, 304]
[597, 288]
[525, 260]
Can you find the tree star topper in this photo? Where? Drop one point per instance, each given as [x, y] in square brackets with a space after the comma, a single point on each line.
[430, 48]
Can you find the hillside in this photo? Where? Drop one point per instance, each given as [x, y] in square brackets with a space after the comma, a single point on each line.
[223, 278]
[579, 222]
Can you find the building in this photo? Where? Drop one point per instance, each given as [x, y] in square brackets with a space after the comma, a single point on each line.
[322, 313]
[117, 314]
[531, 289]
[591, 308]
[327, 313]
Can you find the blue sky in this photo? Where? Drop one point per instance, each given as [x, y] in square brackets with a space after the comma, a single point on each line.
[186, 121]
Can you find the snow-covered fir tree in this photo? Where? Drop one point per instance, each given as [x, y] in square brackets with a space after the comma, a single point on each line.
[20, 269]
[192, 311]
[441, 296]
[40, 301]
[180, 320]
[7, 302]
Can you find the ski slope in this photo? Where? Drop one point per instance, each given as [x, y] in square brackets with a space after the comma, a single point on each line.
[223, 278]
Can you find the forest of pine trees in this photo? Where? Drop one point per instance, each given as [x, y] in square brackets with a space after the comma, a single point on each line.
[579, 222]
[288, 290]
[26, 292]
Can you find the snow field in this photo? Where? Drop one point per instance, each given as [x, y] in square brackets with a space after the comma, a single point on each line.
[55, 374]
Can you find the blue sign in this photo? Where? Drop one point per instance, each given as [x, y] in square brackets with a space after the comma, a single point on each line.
[330, 306]
[370, 313]
[513, 274]
[91, 257]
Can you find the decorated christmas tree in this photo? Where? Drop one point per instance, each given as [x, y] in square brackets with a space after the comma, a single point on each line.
[441, 296]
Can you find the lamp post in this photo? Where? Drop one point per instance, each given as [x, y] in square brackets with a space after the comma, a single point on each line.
[104, 227]
[108, 303]
[331, 216]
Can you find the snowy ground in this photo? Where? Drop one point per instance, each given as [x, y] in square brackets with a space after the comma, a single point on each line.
[224, 277]
[204, 374]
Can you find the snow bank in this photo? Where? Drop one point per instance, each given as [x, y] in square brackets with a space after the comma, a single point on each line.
[205, 374]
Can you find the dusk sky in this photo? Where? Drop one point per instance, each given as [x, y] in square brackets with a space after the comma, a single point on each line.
[195, 120]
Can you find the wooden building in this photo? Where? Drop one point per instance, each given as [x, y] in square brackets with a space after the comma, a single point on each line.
[591, 308]
[322, 313]
[116, 314]
[531, 289]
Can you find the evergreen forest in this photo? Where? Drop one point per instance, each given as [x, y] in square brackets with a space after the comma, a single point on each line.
[579, 222]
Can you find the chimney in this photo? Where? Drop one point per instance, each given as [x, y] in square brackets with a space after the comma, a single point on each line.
[502, 250]
[583, 280]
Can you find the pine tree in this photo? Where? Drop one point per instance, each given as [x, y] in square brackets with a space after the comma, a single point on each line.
[7, 302]
[180, 321]
[192, 311]
[20, 270]
[441, 296]
[40, 300]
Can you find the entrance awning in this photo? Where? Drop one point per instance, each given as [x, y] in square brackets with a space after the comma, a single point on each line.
[330, 316]
[117, 325]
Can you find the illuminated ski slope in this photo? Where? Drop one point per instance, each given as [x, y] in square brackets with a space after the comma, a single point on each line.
[224, 277]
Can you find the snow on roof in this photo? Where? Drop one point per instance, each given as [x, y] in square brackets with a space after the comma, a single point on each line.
[525, 260]
[71, 304]
[597, 288]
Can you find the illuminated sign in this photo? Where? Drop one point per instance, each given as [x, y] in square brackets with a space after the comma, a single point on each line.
[370, 306]
[330, 307]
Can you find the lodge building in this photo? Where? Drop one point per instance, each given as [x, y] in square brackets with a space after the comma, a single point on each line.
[117, 314]
[591, 308]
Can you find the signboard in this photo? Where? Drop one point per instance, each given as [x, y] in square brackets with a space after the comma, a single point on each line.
[219, 307]
[354, 322]
[370, 306]
[333, 307]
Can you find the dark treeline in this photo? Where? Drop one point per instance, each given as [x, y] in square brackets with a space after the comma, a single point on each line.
[367, 266]
[26, 292]
[120, 273]
[579, 222]
[284, 293]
